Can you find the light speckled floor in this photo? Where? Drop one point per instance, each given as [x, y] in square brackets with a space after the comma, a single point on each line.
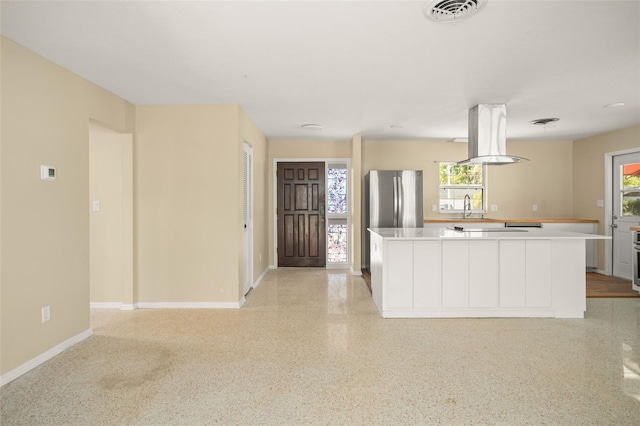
[309, 348]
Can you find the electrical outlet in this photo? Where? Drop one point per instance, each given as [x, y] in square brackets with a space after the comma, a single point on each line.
[600, 203]
[434, 208]
[494, 207]
[46, 313]
[534, 208]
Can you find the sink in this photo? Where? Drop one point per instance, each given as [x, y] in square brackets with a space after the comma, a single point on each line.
[461, 229]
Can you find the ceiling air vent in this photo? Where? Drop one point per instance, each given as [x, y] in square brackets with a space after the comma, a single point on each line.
[452, 11]
[544, 121]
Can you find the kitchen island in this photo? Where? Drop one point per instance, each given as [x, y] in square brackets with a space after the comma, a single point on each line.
[478, 272]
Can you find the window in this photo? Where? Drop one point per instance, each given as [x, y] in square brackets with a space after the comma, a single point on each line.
[630, 190]
[456, 181]
[337, 242]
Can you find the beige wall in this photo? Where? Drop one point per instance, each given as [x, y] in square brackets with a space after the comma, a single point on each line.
[249, 132]
[588, 173]
[45, 225]
[188, 213]
[546, 180]
[187, 187]
[297, 149]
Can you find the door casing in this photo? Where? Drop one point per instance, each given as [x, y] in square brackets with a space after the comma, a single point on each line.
[248, 216]
[274, 192]
[608, 202]
[303, 208]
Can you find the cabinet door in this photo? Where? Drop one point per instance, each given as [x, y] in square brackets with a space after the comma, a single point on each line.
[455, 274]
[426, 274]
[483, 274]
[377, 270]
[538, 274]
[512, 274]
[398, 286]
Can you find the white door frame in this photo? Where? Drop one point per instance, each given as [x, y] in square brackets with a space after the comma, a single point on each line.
[608, 200]
[248, 216]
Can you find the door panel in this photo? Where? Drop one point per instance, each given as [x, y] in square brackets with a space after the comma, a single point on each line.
[625, 197]
[410, 213]
[301, 215]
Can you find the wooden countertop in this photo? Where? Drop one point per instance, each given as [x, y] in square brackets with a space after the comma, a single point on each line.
[635, 228]
[490, 220]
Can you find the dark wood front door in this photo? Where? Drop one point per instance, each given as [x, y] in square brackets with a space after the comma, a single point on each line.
[301, 224]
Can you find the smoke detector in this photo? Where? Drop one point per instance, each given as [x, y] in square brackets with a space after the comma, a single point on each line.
[452, 11]
[311, 127]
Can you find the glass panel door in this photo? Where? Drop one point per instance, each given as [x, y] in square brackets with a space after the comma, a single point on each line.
[337, 215]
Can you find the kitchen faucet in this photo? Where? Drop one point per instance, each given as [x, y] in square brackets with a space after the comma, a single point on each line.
[466, 205]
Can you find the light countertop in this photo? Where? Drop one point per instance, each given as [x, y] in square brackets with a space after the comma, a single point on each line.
[497, 220]
[477, 232]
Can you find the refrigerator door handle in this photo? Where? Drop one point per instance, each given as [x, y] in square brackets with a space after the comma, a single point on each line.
[395, 202]
[400, 204]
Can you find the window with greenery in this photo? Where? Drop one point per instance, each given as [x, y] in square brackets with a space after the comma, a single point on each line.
[630, 190]
[456, 181]
[337, 242]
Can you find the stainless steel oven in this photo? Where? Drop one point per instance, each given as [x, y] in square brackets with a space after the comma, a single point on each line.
[636, 260]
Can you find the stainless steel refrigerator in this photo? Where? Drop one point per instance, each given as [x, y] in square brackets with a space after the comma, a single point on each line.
[393, 199]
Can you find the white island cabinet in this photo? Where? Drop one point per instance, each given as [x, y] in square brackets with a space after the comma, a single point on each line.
[430, 273]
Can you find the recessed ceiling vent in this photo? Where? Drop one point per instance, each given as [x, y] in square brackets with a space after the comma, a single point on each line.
[452, 11]
[544, 121]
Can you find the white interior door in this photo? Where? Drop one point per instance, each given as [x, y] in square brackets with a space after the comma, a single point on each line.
[248, 216]
[625, 209]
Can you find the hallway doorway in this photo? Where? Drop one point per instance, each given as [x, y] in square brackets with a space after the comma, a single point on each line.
[110, 218]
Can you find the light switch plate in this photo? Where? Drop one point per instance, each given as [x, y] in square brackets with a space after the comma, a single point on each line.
[600, 203]
[46, 313]
[95, 205]
[534, 208]
[494, 207]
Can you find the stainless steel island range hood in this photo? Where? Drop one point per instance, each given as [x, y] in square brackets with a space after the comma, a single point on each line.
[488, 136]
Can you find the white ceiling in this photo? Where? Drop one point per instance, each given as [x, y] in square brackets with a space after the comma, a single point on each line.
[354, 67]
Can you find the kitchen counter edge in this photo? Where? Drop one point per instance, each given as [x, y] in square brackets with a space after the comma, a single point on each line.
[492, 220]
[450, 234]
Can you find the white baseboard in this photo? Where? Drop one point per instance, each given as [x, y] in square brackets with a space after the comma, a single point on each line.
[167, 305]
[43, 357]
[105, 305]
[262, 275]
[356, 273]
[601, 272]
[190, 305]
[114, 305]
[128, 306]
